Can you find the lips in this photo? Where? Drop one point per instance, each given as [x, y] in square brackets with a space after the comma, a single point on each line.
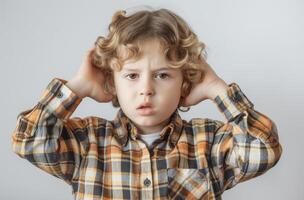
[144, 105]
[145, 109]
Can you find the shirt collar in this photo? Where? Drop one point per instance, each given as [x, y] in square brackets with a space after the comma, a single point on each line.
[125, 128]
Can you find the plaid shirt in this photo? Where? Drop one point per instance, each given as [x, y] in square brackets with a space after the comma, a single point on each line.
[106, 159]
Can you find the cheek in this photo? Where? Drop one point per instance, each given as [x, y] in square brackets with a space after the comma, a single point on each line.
[123, 91]
[172, 94]
[118, 84]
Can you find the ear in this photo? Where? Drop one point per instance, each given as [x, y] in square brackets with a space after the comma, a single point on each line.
[114, 88]
[181, 99]
[111, 85]
[183, 90]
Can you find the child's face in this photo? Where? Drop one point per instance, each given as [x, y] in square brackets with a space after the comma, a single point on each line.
[147, 83]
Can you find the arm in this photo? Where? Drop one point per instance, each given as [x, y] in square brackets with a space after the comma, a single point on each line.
[45, 136]
[244, 147]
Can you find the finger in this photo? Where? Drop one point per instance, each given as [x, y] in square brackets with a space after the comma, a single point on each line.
[89, 55]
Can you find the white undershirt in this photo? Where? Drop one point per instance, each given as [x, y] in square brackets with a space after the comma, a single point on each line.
[150, 137]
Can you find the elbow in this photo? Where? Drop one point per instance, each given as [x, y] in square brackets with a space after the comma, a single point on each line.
[276, 154]
[17, 147]
[275, 146]
[19, 140]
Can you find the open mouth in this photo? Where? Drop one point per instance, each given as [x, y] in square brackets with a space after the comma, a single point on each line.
[145, 110]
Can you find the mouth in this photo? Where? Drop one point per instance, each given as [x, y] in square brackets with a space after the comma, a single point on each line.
[144, 105]
[145, 109]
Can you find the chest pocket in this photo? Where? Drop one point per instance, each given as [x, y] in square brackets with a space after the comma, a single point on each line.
[188, 184]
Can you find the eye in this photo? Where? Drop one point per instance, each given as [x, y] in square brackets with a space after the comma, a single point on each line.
[132, 76]
[163, 75]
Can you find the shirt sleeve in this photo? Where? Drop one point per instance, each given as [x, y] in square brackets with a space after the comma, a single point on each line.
[244, 147]
[47, 137]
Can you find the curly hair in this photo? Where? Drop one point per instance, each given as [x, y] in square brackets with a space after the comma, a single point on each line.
[181, 46]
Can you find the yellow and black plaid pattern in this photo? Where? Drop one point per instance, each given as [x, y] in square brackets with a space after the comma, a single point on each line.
[106, 159]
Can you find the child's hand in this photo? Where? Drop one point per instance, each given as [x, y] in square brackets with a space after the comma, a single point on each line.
[209, 88]
[89, 80]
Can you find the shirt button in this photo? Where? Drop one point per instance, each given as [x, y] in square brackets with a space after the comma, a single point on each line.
[237, 97]
[147, 182]
[59, 94]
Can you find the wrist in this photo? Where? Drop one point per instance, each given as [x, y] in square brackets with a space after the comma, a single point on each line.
[78, 87]
[219, 88]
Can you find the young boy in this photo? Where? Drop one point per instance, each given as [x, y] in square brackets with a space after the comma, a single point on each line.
[149, 66]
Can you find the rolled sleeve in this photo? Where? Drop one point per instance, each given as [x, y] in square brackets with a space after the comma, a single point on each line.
[59, 99]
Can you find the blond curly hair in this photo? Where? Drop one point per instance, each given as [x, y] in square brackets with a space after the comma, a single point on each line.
[180, 44]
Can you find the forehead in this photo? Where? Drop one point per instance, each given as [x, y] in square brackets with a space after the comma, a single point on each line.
[151, 54]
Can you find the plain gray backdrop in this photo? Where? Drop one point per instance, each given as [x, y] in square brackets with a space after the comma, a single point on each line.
[257, 44]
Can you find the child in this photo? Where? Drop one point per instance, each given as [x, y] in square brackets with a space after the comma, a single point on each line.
[150, 66]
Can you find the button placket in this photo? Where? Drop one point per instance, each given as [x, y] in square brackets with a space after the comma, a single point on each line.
[146, 172]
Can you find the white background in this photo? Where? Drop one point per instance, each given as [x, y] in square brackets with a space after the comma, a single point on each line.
[257, 44]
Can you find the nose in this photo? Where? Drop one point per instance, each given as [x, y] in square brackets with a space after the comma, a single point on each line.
[147, 93]
[147, 87]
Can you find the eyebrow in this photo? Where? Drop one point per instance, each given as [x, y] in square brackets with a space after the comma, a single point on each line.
[160, 69]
